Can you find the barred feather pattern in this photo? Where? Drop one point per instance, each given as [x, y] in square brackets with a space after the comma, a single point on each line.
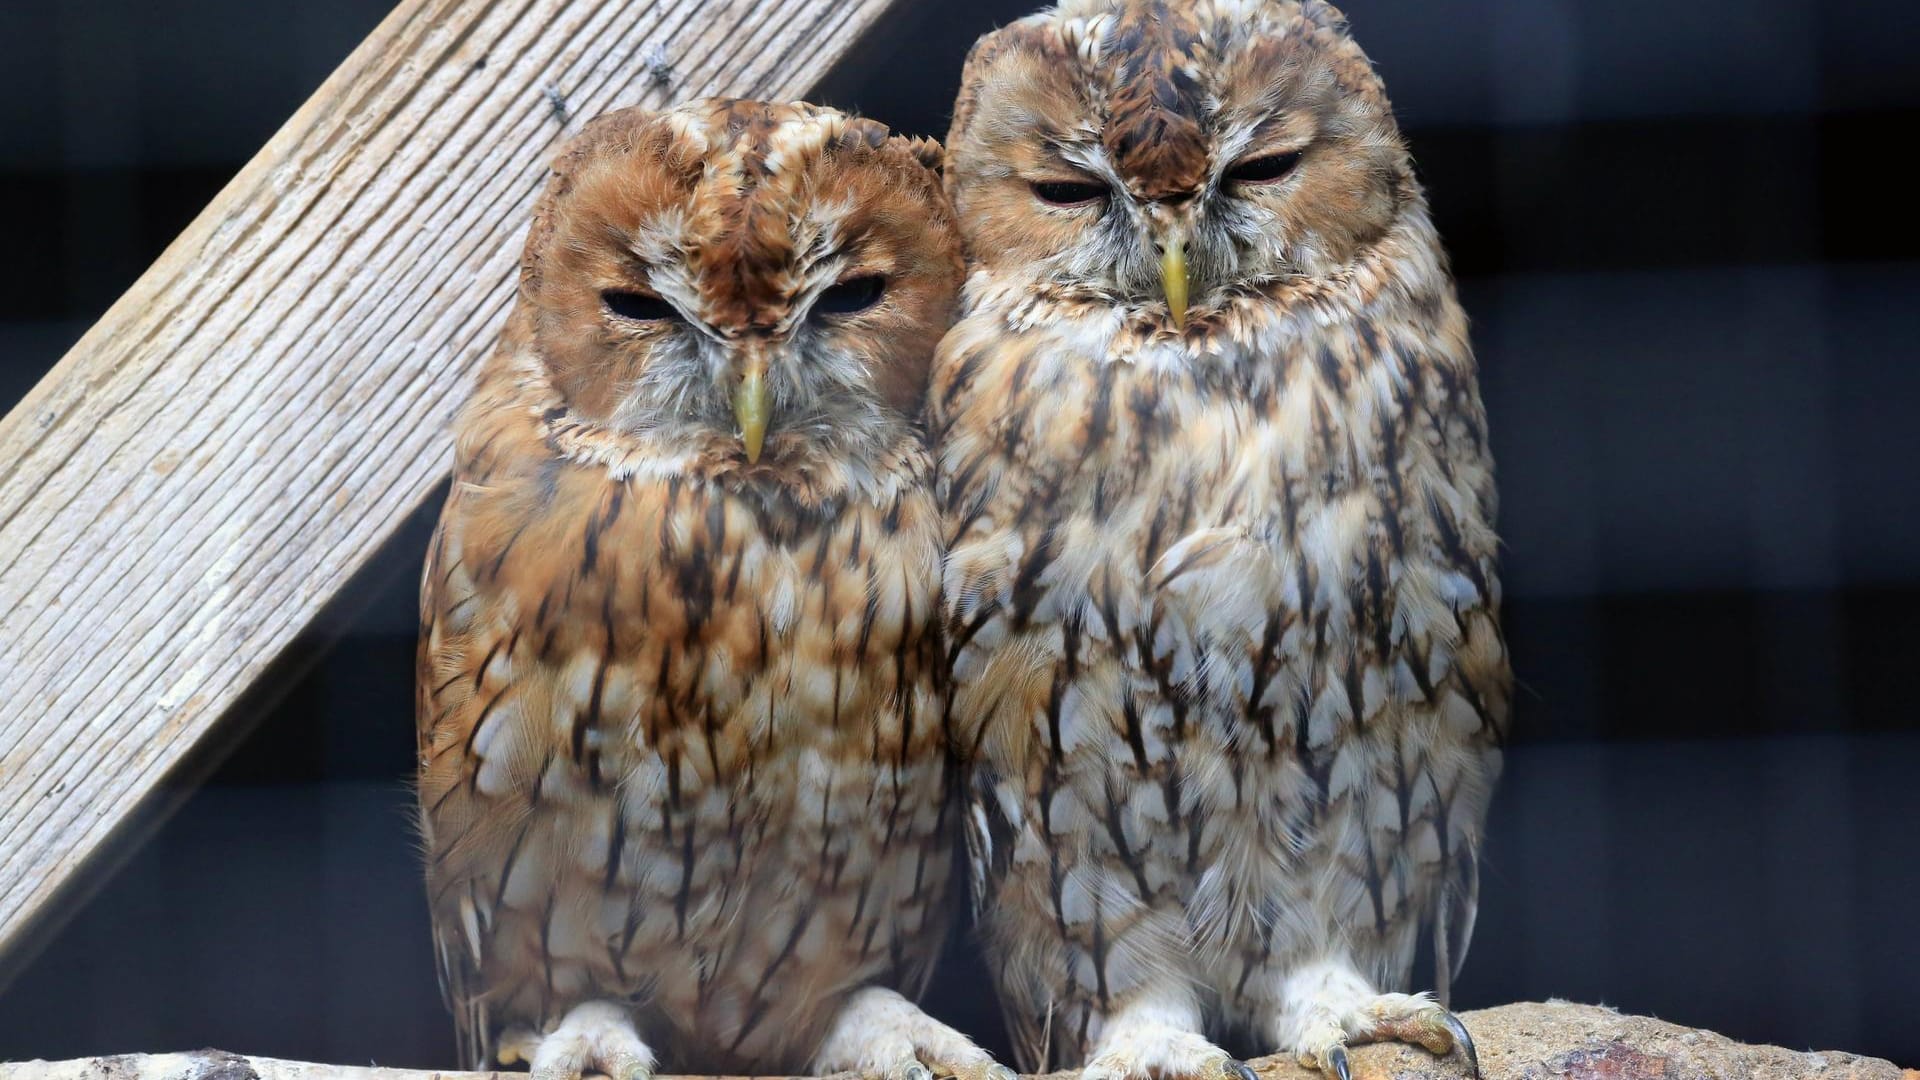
[1223, 599]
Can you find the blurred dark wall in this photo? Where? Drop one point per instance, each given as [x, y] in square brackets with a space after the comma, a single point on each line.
[1681, 232]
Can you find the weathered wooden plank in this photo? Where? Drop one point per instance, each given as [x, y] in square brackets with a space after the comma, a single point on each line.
[182, 494]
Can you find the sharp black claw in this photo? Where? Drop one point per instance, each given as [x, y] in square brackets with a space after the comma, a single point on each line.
[1241, 1070]
[1462, 1042]
[1337, 1060]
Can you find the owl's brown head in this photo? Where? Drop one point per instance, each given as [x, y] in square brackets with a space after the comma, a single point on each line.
[754, 279]
[1169, 154]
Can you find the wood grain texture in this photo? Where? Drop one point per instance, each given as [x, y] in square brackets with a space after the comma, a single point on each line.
[1528, 1041]
[239, 433]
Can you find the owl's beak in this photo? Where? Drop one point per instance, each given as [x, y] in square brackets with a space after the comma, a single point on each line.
[750, 406]
[1173, 277]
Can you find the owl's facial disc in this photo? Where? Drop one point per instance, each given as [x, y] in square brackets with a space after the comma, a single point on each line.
[1142, 153]
[767, 282]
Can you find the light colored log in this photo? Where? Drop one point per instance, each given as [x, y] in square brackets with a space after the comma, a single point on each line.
[1528, 1041]
[223, 449]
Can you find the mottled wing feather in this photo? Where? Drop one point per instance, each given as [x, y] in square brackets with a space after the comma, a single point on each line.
[449, 710]
[993, 824]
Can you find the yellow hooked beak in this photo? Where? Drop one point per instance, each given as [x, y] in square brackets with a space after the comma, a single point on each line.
[750, 407]
[1173, 277]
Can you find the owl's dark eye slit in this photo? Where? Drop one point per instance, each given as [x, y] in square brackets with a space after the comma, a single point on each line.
[847, 297]
[1264, 169]
[1069, 192]
[639, 306]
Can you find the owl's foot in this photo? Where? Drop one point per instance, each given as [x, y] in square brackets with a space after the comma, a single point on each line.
[883, 1036]
[1141, 1045]
[597, 1036]
[1408, 1018]
[1330, 1007]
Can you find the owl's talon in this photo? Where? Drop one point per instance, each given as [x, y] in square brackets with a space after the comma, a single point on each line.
[622, 1069]
[991, 1070]
[1417, 1019]
[1462, 1041]
[1240, 1070]
[629, 1068]
[910, 1069]
[1337, 1062]
[516, 1045]
[1341, 1009]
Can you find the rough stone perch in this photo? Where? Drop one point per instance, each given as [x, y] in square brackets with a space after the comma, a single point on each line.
[1528, 1041]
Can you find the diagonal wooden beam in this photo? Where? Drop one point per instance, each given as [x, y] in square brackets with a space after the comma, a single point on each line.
[222, 450]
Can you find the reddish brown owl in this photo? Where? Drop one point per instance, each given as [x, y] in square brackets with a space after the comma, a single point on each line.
[1222, 594]
[683, 768]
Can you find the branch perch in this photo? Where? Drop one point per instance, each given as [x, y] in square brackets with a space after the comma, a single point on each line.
[1528, 1041]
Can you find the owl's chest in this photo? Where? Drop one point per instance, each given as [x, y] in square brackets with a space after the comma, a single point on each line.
[1220, 540]
[698, 632]
[1160, 474]
[1107, 428]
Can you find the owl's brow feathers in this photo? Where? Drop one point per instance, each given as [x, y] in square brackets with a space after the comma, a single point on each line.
[755, 222]
[1159, 64]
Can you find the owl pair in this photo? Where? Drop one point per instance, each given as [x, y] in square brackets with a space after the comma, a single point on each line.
[1165, 577]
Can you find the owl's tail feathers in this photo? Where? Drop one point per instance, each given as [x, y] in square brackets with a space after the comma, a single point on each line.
[458, 970]
[1455, 911]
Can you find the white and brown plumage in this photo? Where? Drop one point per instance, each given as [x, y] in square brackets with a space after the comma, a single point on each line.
[683, 773]
[1222, 590]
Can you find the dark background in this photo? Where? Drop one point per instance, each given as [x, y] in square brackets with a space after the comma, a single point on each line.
[1684, 231]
